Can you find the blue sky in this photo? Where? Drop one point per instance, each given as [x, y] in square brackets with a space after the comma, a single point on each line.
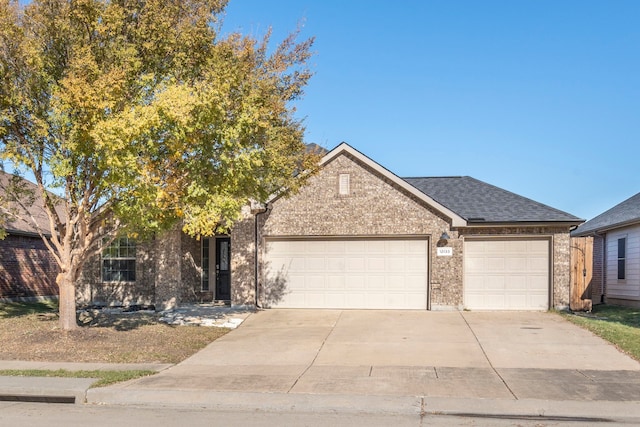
[541, 98]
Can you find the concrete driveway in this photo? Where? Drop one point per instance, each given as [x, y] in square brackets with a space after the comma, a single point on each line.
[508, 355]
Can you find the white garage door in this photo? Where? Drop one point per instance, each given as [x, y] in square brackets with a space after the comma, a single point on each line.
[347, 273]
[506, 274]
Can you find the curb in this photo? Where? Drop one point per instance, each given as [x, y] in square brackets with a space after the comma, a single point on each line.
[594, 411]
[44, 389]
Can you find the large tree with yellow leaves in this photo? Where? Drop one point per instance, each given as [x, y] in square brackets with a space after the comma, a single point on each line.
[139, 115]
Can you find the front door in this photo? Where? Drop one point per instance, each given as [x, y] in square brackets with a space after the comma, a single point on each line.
[223, 276]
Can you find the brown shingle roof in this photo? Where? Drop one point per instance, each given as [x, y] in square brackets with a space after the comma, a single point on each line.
[34, 219]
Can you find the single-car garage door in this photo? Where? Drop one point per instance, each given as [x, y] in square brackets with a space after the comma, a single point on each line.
[369, 273]
[506, 274]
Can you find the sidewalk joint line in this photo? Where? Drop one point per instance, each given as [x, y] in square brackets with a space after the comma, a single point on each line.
[585, 375]
[487, 357]
[317, 353]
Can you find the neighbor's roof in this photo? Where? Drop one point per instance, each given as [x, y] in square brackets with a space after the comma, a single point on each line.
[479, 202]
[21, 221]
[625, 213]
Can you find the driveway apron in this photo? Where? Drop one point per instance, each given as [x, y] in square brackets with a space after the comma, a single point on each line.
[509, 355]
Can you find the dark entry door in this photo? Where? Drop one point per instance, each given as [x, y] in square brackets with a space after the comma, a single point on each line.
[223, 261]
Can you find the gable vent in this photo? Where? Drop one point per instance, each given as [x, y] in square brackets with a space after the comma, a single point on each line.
[344, 184]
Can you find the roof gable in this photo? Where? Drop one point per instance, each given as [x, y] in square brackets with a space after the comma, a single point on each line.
[344, 148]
[622, 214]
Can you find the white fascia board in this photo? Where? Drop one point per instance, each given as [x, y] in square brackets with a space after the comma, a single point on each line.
[456, 220]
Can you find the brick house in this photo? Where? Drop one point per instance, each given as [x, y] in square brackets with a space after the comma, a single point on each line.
[357, 236]
[27, 268]
[616, 253]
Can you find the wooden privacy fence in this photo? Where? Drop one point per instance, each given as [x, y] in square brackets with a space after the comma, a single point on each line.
[581, 273]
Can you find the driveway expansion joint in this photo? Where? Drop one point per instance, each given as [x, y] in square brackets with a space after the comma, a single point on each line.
[487, 356]
[317, 353]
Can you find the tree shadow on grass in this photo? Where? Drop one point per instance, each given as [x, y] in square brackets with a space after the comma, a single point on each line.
[16, 309]
[118, 321]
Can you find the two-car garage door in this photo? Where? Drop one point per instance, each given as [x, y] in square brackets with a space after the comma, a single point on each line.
[506, 274]
[392, 273]
[366, 273]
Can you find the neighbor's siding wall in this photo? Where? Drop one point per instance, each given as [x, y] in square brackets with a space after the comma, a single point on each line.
[628, 288]
[27, 268]
[375, 207]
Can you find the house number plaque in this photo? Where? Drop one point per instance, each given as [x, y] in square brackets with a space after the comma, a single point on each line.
[444, 251]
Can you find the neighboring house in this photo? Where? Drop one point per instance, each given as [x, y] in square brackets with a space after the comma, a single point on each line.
[27, 268]
[616, 253]
[357, 236]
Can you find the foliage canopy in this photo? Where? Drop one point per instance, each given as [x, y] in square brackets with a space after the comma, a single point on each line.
[140, 109]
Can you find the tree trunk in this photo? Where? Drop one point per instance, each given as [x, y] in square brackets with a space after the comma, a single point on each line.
[67, 301]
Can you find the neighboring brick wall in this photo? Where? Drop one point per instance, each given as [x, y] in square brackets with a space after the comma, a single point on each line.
[561, 253]
[27, 268]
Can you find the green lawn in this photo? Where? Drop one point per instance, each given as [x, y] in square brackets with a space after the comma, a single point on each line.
[15, 309]
[618, 325]
[103, 378]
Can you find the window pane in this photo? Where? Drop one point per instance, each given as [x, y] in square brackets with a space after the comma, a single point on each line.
[205, 264]
[622, 246]
[621, 269]
[119, 261]
[224, 256]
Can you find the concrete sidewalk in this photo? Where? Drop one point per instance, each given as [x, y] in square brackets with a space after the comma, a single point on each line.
[398, 362]
[56, 389]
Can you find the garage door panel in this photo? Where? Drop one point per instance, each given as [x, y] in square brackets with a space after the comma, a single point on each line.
[516, 264]
[310, 282]
[395, 264]
[475, 263]
[538, 284]
[376, 283]
[506, 274]
[355, 264]
[414, 246]
[335, 264]
[351, 273]
[516, 246]
[375, 247]
[495, 264]
[540, 264]
[334, 282]
[415, 264]
[376, 264]
[518, 283]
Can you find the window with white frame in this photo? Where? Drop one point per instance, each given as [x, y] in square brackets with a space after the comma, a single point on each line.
[622, 258]
[119, 261]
